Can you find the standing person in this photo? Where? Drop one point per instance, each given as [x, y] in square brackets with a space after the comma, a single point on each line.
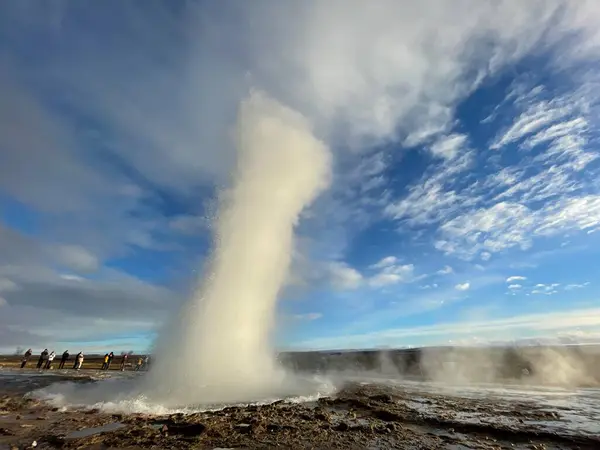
[123, 361]
[63, 359]
[26, 357]
[43, 357]
[50, 359]
[78, 361]
[138, 366]
[111, 355]
[105, 362]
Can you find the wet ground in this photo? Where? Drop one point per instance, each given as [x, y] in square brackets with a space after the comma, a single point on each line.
[380, 414]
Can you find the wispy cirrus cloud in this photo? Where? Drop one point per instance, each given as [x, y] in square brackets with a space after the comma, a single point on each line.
[545, 193]
[570, 287]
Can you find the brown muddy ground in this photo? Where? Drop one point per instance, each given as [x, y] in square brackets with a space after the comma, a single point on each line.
[358, 417]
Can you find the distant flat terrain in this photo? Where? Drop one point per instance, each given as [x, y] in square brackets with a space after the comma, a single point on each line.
[577, 365]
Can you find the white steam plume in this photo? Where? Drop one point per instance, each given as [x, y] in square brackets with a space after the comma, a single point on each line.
[219, 348]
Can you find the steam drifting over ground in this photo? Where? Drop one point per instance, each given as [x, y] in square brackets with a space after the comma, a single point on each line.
[220, 343]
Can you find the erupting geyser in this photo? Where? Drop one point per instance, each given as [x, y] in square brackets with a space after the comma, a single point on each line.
[218, 350]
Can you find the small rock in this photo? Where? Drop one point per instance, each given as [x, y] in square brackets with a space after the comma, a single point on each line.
[383, 398]
[322, 416]
[243, 428]
[17, 417]
[382, 429]
[386, 416]
[275, 427]
[186, 429]
[342, 426]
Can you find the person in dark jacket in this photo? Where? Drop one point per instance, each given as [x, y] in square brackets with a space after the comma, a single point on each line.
[26, 357]
[43, 358]
[64, 359]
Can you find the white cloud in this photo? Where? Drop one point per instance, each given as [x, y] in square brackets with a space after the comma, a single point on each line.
[493, 229]
[570, 287]
[77, 258]
[506, 225]
[515, 286]
[448, 147]
[39, 295]
[446, 270]
[537, 117]
[545, 289]
[343, 276]
[385, 262]
[463, 286]
[392, 275]
[7, 285]
[71, 277]
[389, 272]
[515, 278]
[568, 129]
[542, 195]
[385, 77]
[384, 279]
[308, 316]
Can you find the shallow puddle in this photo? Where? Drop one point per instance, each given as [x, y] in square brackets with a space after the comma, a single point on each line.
[95, 430]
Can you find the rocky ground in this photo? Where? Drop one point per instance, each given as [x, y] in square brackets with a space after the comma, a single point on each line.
[360, 416]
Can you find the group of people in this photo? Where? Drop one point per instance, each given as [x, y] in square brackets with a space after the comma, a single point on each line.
[46, 359]
[142, 362]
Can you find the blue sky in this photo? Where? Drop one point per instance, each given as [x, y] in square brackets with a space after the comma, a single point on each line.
[465, 202]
